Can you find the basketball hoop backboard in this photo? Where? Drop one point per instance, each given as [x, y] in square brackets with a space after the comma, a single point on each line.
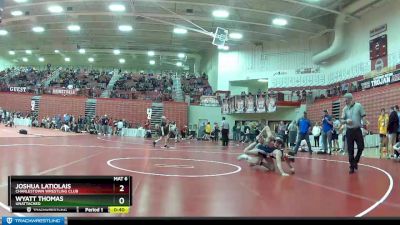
[220, 36]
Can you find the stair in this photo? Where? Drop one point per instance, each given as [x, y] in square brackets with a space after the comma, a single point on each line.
[177, 94]
[55, 75]
[90, 108]
[105, 94]
[336, 109]
[36, 99]
[116, 76]
[156, 114]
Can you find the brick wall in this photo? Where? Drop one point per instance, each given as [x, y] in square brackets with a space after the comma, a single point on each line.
[131, 110]
[315, 111]
[372, 100]
[16, 102]
[51, 105]
[176, 111]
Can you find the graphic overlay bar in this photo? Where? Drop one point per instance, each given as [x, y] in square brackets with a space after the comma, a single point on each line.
[32, 220]
[77, 194]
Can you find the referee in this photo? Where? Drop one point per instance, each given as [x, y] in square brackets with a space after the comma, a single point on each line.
[225, 132]
[353, 116]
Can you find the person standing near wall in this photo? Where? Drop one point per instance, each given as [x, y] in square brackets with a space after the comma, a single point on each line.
[353, 115]
[316, 132]
[282, 130]
[335, 134]
[225, 132]
[396, 107]
[292, 133]
[383, 121]
[327, 126]
[304, 125]
[392, 130]
[234, 132]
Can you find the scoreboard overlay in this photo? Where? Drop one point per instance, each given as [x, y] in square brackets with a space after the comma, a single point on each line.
[75, 194]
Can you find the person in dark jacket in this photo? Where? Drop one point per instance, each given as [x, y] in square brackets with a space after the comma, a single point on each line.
[393, 126]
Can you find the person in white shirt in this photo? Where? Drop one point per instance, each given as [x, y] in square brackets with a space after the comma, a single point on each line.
[396, 149]
[303, 146]
[335, 135]
[120, 125]
[316, 132]
[172, 131]
[65, 128]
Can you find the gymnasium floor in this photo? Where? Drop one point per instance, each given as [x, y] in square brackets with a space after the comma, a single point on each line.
[199, 179]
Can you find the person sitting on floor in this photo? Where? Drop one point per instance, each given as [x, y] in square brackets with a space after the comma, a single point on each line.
[303, 146]
[65, 128]
[396, 149]
[10, 122]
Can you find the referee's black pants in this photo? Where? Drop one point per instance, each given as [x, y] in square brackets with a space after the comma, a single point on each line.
[354, 135]
[225, 138]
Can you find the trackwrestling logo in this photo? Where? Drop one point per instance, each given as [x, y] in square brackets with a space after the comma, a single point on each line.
[33, 220]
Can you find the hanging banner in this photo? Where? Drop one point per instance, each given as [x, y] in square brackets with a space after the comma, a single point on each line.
[250, 104]
[61, 91]
[385, 79]
[225, 106]
[209, 101]
[240, 104]
[271, 104]
[261, 103]
[18, 89]
[232, 105]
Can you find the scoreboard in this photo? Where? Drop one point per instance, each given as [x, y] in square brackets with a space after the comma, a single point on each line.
[70, 194]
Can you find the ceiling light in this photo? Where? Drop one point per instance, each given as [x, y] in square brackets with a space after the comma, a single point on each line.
[55, 9]
[121, 61]
[279, 21]
[235, 35]
[41, 59]
[220, 13]
[117, 52]
[28, 52]
[263, 80]
[11, 52]
[150, 53]
[90, 59]
[82, 51]
[38, 29]
[152, 62]
[67, 59]
[179, 64]
[223, 47]
[181, 55]
[3, 32]
[180, 31]
[116, 8]
[56, 51]
[17, 13]
[125, 28]
[25, 59]
[20, 1]
[74, 28]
